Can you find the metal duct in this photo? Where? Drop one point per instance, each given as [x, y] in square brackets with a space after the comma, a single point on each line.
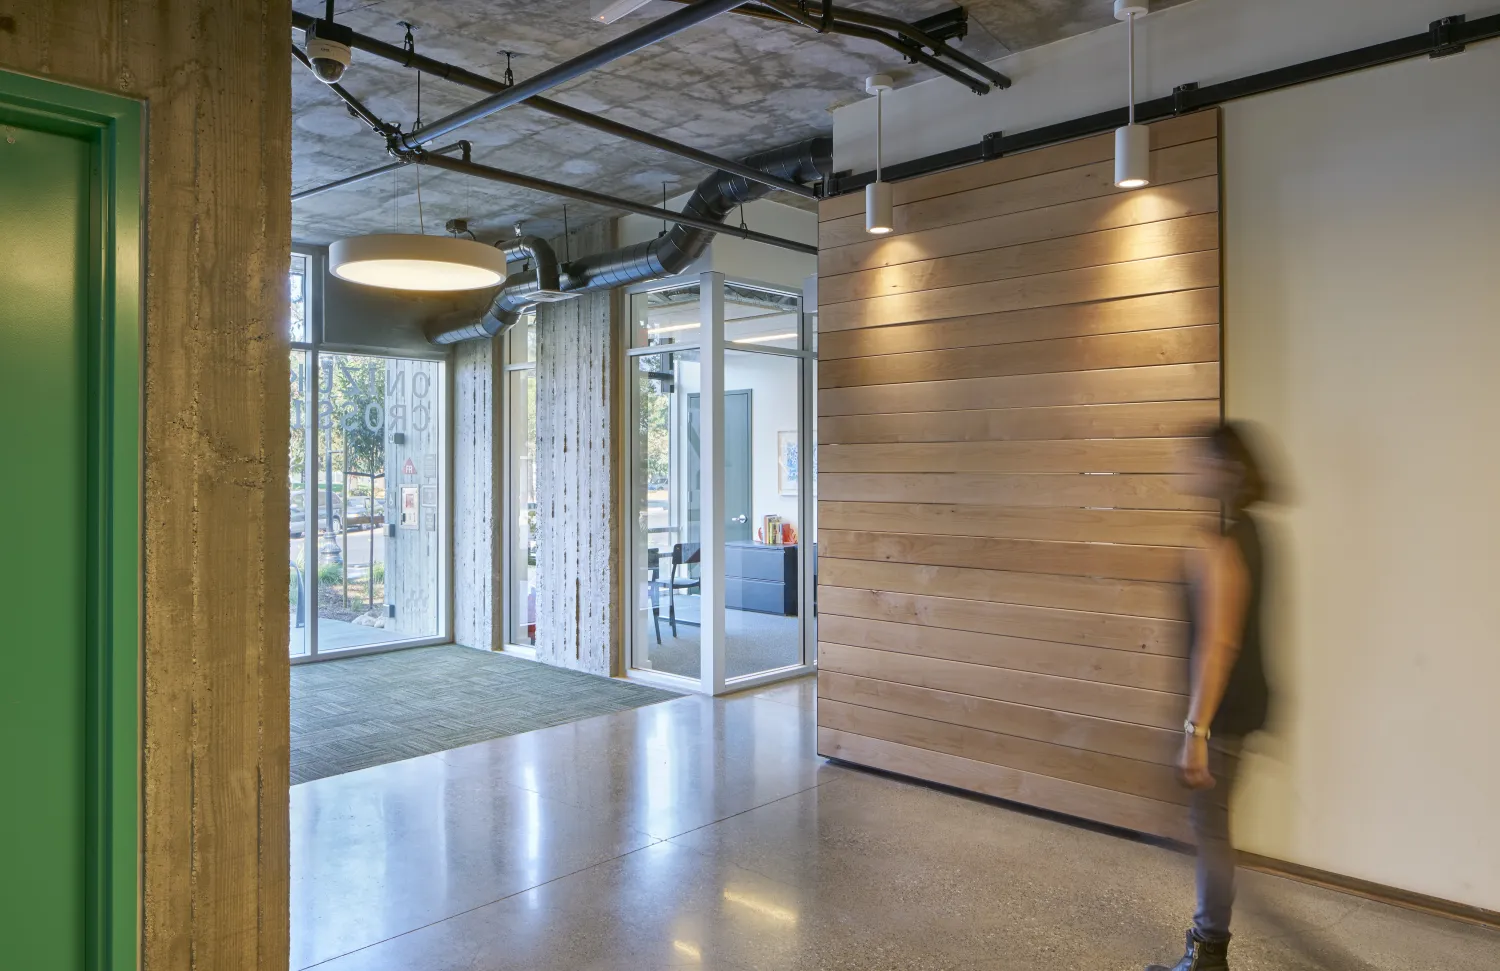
[716, 196]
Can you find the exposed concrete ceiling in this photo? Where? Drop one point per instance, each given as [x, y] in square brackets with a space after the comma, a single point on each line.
[733, 86]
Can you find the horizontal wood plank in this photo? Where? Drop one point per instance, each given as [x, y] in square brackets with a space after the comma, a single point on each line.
[1174, 201]
[1161, 275]
[1136, 597]
[1137, 777]
[1168, 237]
[1137, 706]
[1025, 407]
[1083, 151]
[1117, 632]
[1126, 526]
[1161, 564]
[1167, 820]
[1156, 311]
[1062, 728]
[1078, 455]
[1147, 348]
[1178, 163]
[1088, 490]
[1154, 672]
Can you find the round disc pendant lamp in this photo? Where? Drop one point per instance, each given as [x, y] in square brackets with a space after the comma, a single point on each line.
[408, 261]
[1132, 142]
[879, 209]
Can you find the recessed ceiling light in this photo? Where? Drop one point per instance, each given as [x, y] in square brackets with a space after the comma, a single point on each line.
[671, 328]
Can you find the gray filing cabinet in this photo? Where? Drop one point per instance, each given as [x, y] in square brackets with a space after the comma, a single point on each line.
[760, 578]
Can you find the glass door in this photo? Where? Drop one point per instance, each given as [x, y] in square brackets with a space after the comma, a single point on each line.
[717, 376]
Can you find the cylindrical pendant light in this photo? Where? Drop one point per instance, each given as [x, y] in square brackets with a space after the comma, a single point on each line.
[879, 214]
[407, 261]
[1132, 142]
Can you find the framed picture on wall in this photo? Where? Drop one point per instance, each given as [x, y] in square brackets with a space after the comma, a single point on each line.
[786, 462]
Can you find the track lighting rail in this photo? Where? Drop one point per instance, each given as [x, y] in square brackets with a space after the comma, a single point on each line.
[1442, 38]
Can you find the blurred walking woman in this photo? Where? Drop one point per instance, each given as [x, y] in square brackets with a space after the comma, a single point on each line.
[1230, 696]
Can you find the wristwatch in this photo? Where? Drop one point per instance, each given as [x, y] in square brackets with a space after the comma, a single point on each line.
[1200, 730]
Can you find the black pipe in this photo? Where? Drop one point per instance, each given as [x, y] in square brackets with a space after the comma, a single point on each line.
[609, 202]
[351, 180]
[938, 47]
[659, 29]
[783, 12]
[354, 104]
[668, 254]
[379, 170]
[1443, 37]
[479, 82]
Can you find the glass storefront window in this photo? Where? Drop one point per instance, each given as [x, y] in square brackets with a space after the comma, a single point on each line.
[521, 475]
[368, 533]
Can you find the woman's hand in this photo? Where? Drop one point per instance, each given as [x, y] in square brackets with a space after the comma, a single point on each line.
[1192, 764]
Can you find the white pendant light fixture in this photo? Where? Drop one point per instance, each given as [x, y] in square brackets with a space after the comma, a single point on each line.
[878, 205]
[1133, 142]
[407, 261]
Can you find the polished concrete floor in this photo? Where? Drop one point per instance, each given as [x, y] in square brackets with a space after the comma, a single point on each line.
[703, 833]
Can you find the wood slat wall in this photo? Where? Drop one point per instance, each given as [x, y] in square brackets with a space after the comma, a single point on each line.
[1005, 387]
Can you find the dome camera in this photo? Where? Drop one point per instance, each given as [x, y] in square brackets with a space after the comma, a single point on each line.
[328, 47]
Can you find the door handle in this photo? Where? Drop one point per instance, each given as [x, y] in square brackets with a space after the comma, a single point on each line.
[740, 518]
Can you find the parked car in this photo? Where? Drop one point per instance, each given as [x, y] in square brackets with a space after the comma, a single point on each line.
[299, 515]
[357, 511]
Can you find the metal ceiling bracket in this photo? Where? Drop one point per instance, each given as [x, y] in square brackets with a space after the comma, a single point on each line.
[1182, 98]
[1444, 39]
[992, 146]
[950, 24]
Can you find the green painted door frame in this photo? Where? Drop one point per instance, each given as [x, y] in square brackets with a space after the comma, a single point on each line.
[113, 129]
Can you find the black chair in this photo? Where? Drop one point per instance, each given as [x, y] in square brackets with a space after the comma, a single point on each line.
[683, 554]
[654, 585]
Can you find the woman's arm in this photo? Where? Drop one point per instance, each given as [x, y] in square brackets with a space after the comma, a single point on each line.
[1223, 593]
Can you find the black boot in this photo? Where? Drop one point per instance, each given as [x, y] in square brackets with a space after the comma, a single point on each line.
[1201, 956]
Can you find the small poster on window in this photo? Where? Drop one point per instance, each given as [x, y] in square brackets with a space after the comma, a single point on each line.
[410, 517]
[786, 462]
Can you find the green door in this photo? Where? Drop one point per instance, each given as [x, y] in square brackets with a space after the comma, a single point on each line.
[67, 655]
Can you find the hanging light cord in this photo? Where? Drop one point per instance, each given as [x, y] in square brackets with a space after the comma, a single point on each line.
[1130, 31]
[879, 132]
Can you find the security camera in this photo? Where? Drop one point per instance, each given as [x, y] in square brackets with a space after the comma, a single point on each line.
[329, 49]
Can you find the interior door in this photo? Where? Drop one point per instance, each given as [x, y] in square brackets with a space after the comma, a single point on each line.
[44, 235]
[67, 657]
[738, 512]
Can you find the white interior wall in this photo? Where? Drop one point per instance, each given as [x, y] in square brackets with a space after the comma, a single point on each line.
[1205, 41]
[772, 381]
[1363, 330]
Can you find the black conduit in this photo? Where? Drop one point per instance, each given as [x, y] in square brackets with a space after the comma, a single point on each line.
[716, 197]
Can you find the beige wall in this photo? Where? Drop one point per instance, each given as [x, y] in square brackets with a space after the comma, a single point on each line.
[1362, 280]
[217, 81]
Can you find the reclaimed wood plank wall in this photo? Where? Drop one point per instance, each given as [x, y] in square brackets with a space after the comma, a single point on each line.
[217, 82]
[1005, 387]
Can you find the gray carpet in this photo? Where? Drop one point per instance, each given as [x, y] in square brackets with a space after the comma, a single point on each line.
[753, 642]
[363, 711]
